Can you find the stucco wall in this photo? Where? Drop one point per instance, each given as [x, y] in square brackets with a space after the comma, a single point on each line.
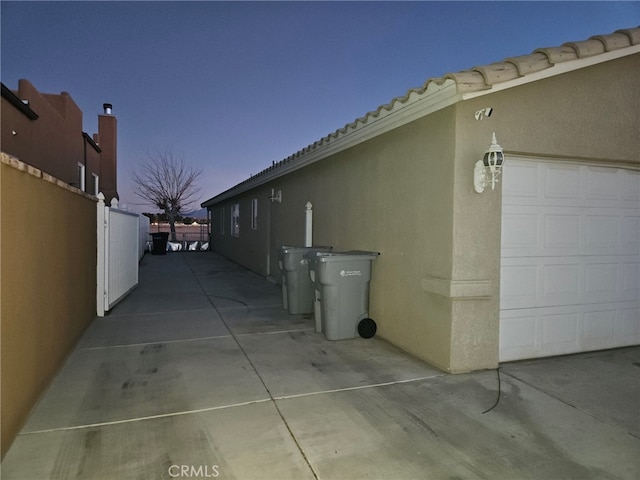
[55, 136]
[589, 115]
[409, 194]
[48, 276]
[392, 194]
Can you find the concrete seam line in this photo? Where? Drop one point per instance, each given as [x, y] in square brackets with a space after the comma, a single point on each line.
[275, 332]
[124, 345]
[150, 417]
[359, 387]
[119, 316]
[264, 384]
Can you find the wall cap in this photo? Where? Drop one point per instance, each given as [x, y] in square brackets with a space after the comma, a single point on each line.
[13, 162]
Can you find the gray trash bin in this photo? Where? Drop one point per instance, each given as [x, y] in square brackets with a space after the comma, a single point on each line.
[343, 278]
[297, 289]
[317, 308]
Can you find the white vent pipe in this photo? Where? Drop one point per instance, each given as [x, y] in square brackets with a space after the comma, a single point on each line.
[308, 221]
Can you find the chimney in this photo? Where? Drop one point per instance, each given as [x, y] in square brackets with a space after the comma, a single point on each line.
[107, 132]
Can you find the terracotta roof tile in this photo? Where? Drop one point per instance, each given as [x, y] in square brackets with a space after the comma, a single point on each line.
[497, 72]
[527, 64]
[565, 53]
[468, 81]
[632, 33]
[587, 48]
[614, 41]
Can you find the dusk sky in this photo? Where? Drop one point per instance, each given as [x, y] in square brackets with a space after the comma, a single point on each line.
[233, 86]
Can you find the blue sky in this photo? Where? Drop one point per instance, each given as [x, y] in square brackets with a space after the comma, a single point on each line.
[233, 86]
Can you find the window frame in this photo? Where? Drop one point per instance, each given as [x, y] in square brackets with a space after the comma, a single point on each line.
[254, 214]
[81, 176]
[235, 220]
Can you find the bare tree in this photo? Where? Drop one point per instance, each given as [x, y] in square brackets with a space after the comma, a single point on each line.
[167, 182]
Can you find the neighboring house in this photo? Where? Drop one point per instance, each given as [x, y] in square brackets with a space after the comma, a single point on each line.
[547, 263]
[45, 131]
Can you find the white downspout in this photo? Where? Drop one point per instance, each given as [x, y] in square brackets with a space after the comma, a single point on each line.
[308, 232]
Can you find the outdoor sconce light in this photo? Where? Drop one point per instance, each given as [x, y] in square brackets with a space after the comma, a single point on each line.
[487, 170]
[276, 197]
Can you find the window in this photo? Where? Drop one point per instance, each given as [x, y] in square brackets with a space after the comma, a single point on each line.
[222, 221]
[235, 220]
[254, 214]
[81, 176]
[96, 184]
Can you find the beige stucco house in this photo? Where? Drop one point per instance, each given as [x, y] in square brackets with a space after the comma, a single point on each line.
[547, 263]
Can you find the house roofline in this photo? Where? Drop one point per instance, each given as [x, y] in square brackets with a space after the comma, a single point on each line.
[17, 102]
[91, 142]
[438, 93]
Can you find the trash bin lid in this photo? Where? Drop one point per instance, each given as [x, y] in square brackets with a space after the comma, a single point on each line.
[350, 255]
[290, 249]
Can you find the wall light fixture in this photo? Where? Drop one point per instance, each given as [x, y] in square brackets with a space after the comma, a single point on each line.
[487, 170]
[276, 196]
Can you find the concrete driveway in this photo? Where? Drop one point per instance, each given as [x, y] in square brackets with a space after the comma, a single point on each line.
[200, 373]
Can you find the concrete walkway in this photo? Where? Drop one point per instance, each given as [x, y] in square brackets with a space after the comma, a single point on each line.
[200, 373]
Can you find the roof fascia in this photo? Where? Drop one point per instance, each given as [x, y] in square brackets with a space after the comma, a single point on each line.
[14, 100]
[556, 69]
[416, 106]
[91, 142]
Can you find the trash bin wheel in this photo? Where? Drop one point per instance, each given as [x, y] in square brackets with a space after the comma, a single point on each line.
[367, 328]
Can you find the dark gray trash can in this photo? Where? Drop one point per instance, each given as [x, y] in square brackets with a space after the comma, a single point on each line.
[297, 289]
[317, 308]
[159, 243]
[344, 279]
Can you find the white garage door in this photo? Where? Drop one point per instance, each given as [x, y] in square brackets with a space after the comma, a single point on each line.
[570, 272]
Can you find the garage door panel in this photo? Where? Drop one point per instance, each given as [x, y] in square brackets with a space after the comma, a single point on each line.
[603, 183]
[523, 181]
[631, 187]
[631, 234]
[519, 286]
[599, 326]
[518, 335]
[521, 232]
[562, 232]
[559, 333]
[602, 281]
[560, 284]
[561, 181]
[547, 331]
[630, 279]
[602, 231]
[570, 271]
[629, 326]
[569, 185]
[532, 282]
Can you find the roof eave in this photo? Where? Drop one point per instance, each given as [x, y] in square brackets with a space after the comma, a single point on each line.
[91, 142]
[556, 69]
[441, 92]
[17, 102]
[415, 106]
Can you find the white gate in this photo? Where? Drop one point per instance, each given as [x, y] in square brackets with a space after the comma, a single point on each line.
[119, 250]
